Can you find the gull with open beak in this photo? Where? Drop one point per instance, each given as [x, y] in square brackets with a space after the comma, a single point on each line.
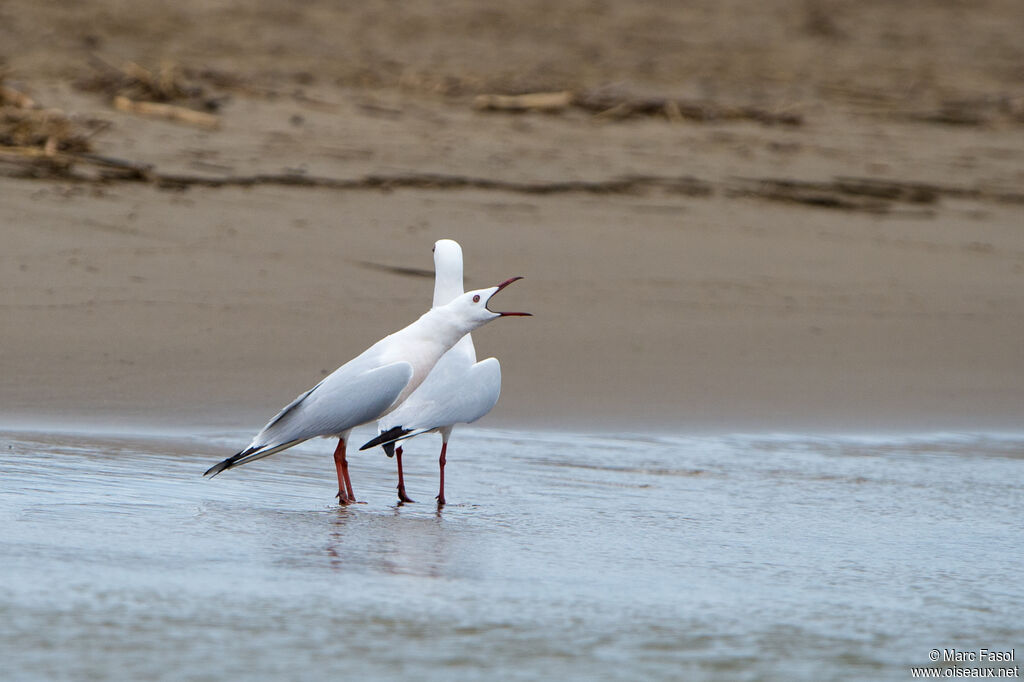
[370, 385]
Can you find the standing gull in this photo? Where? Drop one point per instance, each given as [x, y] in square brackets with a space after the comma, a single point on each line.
[370, 385]
[459, 390]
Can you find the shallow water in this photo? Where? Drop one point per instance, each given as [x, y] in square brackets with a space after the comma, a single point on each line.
[558, 556]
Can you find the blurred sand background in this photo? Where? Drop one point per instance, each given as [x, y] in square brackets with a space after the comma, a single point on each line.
[860, 270]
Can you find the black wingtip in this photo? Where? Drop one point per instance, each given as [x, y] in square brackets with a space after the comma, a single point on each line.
[391, 434]
[217, 468]
[227, 463]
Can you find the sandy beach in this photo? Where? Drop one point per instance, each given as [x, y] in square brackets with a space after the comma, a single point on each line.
[859, 268]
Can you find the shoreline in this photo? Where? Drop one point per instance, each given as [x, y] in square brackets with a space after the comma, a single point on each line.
[153, 430]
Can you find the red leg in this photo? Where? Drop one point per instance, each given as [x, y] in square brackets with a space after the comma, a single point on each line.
[401, 481]
[348, 481]
[345, 494]
[441, 462]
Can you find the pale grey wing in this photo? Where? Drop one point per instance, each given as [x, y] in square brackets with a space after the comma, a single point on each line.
[449, 373]
[473, 397]
[350, 396]
[343, 400]
[453, 398]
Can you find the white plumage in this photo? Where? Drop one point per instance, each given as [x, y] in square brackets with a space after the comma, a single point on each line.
[459, 390]
[370, 385]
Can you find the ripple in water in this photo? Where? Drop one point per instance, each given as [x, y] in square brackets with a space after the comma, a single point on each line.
[560, 555]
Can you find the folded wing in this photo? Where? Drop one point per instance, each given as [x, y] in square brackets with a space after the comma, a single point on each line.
[456, 395]
[350, 396]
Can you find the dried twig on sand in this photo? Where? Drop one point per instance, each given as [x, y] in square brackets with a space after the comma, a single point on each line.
[47, 130]
[534, 101]
[164, 93]
[169, 112]
[9, 97]
[613, 105]
[616, 106]
[29, 131]
[138, 83]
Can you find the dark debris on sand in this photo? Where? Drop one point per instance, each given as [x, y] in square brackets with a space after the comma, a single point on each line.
[168, 84]
[36, 141]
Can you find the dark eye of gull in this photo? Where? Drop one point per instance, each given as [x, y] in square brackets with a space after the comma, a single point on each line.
[476, 299]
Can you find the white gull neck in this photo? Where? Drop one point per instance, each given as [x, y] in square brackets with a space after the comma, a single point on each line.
[448, 285]
[447, 271]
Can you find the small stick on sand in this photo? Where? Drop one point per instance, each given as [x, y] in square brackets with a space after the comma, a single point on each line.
[139, 73]
[534, 101]
[27, 152]
[167, 111]
[619, 111]
[34, 162]
[672, 111]
[15, 98]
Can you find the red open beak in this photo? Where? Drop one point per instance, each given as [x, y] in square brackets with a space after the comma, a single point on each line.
[500, 287]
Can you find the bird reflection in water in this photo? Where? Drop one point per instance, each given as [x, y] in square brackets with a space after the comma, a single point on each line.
[396, 544]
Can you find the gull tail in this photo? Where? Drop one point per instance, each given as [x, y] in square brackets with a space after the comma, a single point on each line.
[250, 454]
[388, 438]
